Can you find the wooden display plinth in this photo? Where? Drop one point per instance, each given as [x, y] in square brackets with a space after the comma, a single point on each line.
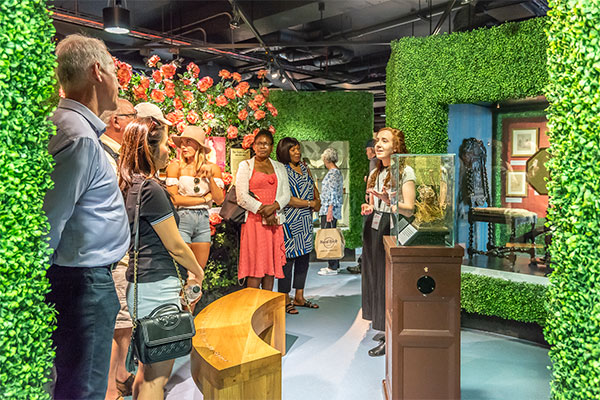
[422, 324]
[239, 342]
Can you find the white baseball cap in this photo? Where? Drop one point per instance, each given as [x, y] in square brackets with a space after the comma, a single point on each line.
[145, 110]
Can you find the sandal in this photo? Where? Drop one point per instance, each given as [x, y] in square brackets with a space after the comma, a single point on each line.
[307, 304]
[289, 308]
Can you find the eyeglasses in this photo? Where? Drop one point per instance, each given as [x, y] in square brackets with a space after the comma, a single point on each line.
[263, 144]
[132, 115]
[196, 182]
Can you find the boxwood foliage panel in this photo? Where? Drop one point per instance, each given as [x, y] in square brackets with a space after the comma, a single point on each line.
[425, 75]
[573, 327]
[519, 301]
[321, 116]
[26, 83]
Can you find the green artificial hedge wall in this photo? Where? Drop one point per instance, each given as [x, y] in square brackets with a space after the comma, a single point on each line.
[26, 83]
[425, 75]
[519, 301]
[573, 327]
[320, 116]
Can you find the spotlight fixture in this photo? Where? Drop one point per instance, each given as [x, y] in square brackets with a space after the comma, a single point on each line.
[116, 17]
[234, 22]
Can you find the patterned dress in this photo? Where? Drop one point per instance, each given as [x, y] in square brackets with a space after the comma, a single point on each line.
[298, 229]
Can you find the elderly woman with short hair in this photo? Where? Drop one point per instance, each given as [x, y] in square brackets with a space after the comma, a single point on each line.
[332, 189]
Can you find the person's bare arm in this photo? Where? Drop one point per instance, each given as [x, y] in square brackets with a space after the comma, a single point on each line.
[407, 207]
[179, 200]
[169, 235]
[218, 194]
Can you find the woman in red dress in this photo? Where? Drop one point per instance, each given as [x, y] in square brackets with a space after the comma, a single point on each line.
[262, 188]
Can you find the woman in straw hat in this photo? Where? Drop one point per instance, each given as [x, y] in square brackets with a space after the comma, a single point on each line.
[194, 184]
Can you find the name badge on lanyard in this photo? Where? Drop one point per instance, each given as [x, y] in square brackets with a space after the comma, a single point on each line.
[376, 220]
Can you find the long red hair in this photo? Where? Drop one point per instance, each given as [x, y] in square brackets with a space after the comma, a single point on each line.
[399, 147]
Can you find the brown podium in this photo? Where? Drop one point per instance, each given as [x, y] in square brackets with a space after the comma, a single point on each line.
[238, 345]
[422, 323]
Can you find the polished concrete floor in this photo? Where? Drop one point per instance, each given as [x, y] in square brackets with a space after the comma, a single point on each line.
[327, 354]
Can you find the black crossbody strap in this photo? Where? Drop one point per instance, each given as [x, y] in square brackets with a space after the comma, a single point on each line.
[111, 152]
[136, 251]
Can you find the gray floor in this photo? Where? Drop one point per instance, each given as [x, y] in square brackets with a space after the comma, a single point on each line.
[327, 354]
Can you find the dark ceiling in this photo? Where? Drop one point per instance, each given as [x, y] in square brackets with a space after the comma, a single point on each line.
[327, 45]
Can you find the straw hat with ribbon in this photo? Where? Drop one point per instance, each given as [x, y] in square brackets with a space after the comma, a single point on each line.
[193, 132]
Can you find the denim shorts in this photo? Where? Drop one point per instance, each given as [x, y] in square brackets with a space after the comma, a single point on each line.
[154, 294]
[193, 225]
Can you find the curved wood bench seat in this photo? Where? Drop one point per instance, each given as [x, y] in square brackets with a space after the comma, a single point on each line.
[238, 345]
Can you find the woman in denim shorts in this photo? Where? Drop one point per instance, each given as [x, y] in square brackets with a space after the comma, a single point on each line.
[194, 184]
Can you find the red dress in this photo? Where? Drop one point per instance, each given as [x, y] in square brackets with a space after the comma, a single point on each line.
[262, 249]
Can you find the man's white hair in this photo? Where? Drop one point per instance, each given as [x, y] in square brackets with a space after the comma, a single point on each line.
[330, 155]
[75, 55]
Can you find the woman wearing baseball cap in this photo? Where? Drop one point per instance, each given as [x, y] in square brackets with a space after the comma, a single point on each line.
[194, 184]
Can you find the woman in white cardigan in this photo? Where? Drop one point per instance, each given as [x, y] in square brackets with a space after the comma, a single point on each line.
[262, 188]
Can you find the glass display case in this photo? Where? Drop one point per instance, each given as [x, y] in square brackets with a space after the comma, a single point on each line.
[432, 221]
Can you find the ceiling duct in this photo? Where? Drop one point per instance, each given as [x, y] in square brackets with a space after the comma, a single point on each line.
[338, 56]
[296, 56]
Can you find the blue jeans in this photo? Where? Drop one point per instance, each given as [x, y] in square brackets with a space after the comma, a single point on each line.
[333, 264]
[87, 305]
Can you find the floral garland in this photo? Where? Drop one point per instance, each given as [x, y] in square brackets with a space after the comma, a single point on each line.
[228, 108]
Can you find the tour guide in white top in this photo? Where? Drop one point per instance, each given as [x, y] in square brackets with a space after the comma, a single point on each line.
[89, 232]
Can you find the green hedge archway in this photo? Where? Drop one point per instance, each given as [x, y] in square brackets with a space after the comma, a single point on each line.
[425, 75]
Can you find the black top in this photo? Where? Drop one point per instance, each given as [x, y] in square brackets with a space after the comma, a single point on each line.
[154, 261]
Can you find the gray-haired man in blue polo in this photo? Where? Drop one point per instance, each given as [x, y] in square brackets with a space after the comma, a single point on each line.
[89, 231]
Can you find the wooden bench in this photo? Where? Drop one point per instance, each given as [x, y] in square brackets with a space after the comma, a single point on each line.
[239, 342]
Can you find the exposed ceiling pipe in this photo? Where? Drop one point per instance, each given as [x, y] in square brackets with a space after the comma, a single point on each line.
[268, 52]
[195, 30]
[445, 15]
[225, 13]
[408, 19]
[92, 22]
[338, 56]
[295, 56]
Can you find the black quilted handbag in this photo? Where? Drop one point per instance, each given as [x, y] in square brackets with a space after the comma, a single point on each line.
[167, 332]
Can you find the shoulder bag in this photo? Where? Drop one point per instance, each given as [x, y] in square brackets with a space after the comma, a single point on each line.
[167, 332]
[231, 211]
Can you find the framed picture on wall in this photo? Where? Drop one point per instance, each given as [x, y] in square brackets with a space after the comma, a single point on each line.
[516, 184]
[524, 142]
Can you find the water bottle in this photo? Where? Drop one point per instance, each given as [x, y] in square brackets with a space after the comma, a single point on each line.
[193, 292]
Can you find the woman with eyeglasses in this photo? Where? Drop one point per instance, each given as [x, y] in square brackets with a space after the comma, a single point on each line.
[144, 153]
[194, 184]
[262, 189]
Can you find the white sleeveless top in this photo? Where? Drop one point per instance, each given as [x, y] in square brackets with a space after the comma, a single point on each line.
[195, 187]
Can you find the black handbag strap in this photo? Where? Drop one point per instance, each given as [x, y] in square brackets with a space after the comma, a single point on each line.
[136, 251]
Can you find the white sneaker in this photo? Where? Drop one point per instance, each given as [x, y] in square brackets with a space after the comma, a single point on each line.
[327, 271]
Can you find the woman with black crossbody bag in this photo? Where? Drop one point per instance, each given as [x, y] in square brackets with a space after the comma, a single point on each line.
[155, 279]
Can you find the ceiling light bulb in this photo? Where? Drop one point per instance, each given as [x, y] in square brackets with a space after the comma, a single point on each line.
[116, 19]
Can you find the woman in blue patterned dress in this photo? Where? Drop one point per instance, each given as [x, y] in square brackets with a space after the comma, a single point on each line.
[332, 190]
[297, 229]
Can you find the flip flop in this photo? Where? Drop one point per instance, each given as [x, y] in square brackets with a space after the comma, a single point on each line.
[307, 304]
[289, 308]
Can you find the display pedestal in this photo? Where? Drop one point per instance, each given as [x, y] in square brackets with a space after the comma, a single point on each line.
[238, 345]
[422, 322]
